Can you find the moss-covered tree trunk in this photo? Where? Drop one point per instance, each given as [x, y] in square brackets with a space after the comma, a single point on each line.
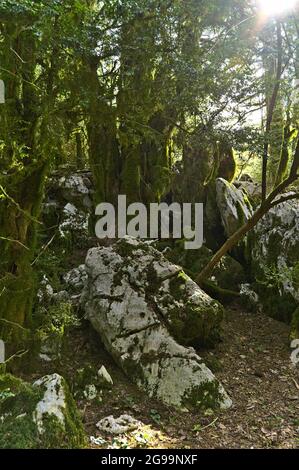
[19, 209]
[102, 139]
[24, 158]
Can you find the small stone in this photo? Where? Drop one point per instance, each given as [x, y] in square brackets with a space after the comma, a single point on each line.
[121, 425]
[90, 392]
[104, 374]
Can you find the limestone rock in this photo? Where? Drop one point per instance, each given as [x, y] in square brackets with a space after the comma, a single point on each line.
[42, 415]
[74, 222]
[75, 279]
[105, 376]
[121, 425]
[135, 298]
[234, 206]
[249, 298]
[75, 188]
[228, 274]
[69, 204]
[252, 189]
[275, 259]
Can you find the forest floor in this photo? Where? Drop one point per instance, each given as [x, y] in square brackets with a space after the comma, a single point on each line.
[253, 363]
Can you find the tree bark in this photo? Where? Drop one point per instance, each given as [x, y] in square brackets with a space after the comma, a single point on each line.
[271, 109]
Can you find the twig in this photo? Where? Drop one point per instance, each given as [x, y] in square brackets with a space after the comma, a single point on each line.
[44, 248]
[14, 241]
[18, 56]
[289, 197]
[13, 323]
[210, 424]
[18, 354]
[26, 214]
[296, 385]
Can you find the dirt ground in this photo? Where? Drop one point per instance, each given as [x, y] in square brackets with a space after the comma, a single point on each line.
[253, 363]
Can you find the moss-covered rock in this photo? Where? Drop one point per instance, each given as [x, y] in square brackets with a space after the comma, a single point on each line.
[275, 260]
[234, 206]
[42, 415]
[136, 299]
[229, 273]
[89, 382]
[189, 312]
[192, 316]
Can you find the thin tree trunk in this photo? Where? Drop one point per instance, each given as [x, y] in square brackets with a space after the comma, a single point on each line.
[284, 157]
[270, 111]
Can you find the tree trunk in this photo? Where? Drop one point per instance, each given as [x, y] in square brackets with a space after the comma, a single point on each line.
[19, 210]
[270, 110]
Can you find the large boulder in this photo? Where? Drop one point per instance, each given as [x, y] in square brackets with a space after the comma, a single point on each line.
[275, 259]
[42, 415]
[233, 205]
[134, 298]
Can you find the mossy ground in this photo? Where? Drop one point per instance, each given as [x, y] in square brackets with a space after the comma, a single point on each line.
[18, 430]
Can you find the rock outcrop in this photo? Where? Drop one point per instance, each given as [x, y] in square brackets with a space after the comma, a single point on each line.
[68, 205]
[275, 259]
[233, 205]
[136, 299]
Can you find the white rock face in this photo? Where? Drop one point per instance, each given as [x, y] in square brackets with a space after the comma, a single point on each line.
[254, 190]
[53, 401]
[121, 425]
[234, 206]
[76, 188]
[69, 205]
[133, 298]
[276, 247]
[73, 220]
[104, 374]
[75, 279]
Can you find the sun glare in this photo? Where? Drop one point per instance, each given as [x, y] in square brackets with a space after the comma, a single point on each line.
[276, 7]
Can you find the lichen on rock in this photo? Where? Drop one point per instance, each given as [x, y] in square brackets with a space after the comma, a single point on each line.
[234, 206]
[275, 260]
[136, 299]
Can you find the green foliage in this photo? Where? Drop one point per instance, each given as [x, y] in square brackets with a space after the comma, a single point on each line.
[129, 88]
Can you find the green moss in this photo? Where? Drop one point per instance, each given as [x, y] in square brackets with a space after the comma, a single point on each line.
[205, 397]
[17, 404]
[213, 363]
[295, 276]
[276, 306]
[69, 435]
[15, 304]
[18, 430]
[192, 325]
